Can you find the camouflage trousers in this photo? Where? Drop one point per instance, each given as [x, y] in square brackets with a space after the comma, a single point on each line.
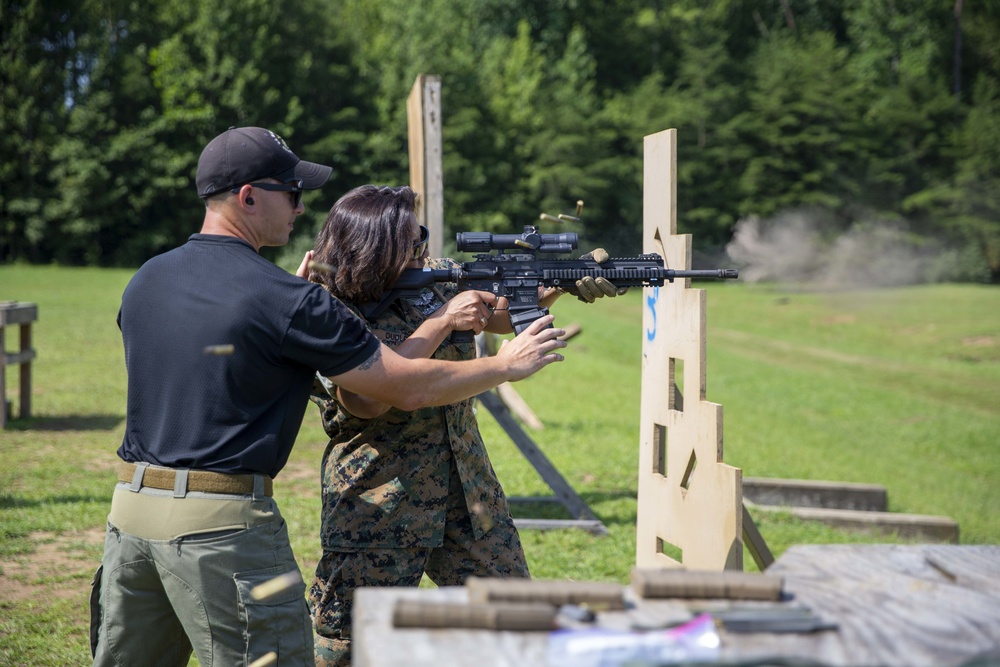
[339, 573]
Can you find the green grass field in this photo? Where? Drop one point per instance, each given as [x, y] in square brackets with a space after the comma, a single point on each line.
[895, 387]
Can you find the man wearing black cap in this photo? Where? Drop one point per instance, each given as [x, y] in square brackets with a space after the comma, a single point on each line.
[220, 348]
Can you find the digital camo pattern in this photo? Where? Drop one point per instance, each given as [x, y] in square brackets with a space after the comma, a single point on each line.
[339, 573]
[404, 494]
[385, 480]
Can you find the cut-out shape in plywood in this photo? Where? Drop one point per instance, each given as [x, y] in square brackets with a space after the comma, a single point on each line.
[690, 509]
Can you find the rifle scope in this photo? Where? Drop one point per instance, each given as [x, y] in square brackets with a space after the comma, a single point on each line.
[530, 241]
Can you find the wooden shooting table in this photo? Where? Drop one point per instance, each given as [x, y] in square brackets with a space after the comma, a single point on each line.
[905, 605]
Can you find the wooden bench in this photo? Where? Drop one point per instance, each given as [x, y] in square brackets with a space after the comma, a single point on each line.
[12, 312]
[861, 507]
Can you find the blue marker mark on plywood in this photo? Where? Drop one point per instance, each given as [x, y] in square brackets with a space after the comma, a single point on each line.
[651, 299]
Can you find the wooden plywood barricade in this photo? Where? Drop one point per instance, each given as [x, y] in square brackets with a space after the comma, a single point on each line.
[690, 504]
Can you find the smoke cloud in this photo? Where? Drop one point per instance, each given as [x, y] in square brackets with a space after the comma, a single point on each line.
[806, 249]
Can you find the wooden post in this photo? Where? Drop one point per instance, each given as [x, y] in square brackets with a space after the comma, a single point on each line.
[690, 504]
[423, 116]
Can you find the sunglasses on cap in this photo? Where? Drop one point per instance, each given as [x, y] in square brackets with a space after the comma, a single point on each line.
[420, 245]
[294, 188]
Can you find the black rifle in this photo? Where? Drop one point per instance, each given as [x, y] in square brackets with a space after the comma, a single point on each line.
[517, 274]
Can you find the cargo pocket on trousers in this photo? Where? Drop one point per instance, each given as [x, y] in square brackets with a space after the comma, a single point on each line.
[278, 621]
[95, 610]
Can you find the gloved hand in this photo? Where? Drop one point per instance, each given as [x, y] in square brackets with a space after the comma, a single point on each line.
[590, 289]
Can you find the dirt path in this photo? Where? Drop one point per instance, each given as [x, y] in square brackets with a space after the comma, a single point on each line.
[55, 568]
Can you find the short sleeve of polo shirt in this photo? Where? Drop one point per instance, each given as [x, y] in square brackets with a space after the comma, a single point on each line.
[325, 335]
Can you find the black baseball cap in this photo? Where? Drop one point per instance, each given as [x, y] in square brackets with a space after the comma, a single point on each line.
[245, 154]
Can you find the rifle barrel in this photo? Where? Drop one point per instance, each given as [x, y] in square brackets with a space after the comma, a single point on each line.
[634, 276]
[708, 273]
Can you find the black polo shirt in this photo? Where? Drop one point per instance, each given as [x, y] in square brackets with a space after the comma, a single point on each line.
[190, 406]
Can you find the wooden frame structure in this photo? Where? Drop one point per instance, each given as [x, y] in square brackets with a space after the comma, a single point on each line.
[22, 314]
[564, 494]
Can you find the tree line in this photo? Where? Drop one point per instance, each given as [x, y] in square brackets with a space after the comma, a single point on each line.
[853, 112]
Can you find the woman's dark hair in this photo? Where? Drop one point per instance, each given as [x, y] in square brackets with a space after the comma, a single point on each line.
[367, 240]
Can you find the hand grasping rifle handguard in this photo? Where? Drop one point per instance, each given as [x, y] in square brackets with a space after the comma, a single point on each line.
[516, 274]
[590, 288]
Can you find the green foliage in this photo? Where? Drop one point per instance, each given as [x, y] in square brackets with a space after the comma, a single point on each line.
[882, 109]
[36, 39]
[797, 132]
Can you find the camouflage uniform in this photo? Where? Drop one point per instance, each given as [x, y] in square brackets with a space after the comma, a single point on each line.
[406, 493]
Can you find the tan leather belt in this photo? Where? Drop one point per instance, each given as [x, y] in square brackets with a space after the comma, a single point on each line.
[197, 480]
